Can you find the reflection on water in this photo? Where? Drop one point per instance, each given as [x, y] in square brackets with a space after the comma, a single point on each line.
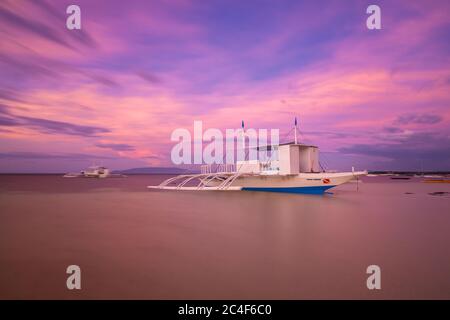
[131, 242]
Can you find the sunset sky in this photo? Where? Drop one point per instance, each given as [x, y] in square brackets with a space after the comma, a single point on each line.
[113, 92]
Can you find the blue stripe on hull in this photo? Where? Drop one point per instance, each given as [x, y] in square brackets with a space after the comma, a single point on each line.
[305, 190]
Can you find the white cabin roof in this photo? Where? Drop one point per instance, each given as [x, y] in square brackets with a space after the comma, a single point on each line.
[269, 147]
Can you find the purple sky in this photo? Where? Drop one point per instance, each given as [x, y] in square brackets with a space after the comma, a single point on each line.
[113, 92]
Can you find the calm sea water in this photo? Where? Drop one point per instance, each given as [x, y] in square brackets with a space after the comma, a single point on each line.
[131, 242]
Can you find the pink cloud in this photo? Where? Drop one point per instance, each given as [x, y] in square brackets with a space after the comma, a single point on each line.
[153, 71]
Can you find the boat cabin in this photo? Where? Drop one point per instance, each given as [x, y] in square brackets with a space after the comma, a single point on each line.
[288, 158]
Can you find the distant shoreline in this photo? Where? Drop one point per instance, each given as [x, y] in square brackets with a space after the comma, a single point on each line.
[63, 173]
[193, 172]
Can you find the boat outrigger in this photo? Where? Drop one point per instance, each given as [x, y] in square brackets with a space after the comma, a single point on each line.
[296, 170]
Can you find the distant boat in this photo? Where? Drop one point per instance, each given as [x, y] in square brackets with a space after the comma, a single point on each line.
[400, 178]
[93, 172]
[96, 172]
[72, 175]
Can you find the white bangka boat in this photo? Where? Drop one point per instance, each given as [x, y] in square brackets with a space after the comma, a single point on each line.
[296, 170]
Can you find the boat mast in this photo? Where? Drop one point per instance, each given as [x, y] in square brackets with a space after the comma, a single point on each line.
[243, 136]
[295, 130]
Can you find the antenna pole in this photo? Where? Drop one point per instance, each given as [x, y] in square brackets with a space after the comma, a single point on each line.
[243, 136]
[295, 131]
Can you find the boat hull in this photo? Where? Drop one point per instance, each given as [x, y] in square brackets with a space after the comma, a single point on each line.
[308, 183]
[303, 190]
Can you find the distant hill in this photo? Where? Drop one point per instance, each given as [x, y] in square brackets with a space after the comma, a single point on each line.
[408, 172]
[153, 170]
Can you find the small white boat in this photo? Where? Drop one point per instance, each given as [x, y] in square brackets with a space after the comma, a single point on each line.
[72, 175]
[297, 170]
[96, 172]
[91, 172]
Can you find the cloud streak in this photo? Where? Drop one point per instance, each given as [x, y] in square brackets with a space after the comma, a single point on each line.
[50, 156]
[418, 119]
[123, 85]
[116, 146]
[48, 126]
[31, 26]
